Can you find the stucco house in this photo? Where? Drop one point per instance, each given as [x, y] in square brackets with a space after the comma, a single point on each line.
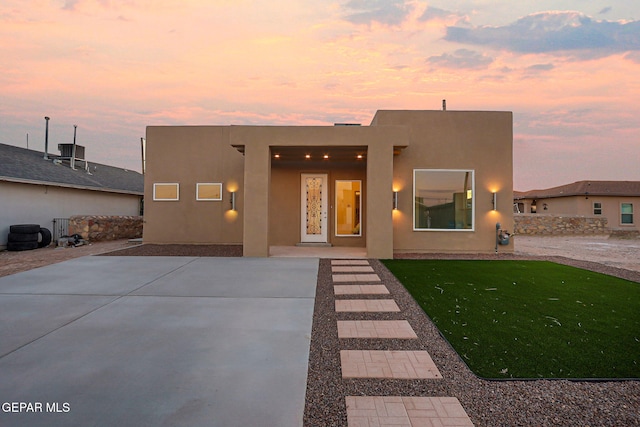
[35, 190]
[411, 181]
[613, 200]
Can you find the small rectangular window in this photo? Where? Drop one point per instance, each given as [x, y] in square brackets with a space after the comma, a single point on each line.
[209, 191]
[626, 209]
[597, 208]
[166, 192]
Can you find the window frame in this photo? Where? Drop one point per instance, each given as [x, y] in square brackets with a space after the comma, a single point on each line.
[202, 199]
[622, 214]
[359, 181]
[597, 210]
[166, 184]
[473, 200]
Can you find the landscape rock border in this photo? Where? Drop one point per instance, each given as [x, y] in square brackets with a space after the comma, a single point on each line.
[488, 403]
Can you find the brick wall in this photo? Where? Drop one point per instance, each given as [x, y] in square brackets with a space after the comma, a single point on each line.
[97, 227]
[548, 224]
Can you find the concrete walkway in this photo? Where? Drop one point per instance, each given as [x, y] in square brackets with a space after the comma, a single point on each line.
[157, 341]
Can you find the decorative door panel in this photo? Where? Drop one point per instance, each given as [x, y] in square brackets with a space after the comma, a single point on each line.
[314, 208]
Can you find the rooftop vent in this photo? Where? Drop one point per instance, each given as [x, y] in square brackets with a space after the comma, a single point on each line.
[346, 124]
[66, 151]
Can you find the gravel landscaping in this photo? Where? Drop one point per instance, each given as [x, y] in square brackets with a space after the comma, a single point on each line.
[179, 250]
[488, 403]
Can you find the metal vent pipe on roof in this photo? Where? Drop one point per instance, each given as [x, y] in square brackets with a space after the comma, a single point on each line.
[73, 155]
[444, 105]
[46, 139]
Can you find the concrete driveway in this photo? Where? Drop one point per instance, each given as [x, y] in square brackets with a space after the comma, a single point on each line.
[157, 341]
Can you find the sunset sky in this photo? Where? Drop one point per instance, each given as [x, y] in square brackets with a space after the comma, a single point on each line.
[568, 69]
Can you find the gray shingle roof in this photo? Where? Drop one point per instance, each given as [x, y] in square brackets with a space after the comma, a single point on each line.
[22, 165]
[582, 188]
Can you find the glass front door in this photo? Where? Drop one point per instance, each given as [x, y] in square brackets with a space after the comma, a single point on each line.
[314, 208]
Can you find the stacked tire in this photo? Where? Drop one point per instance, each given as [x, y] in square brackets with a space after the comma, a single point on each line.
[24, 237]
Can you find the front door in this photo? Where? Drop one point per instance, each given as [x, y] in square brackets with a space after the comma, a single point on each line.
[314, 198]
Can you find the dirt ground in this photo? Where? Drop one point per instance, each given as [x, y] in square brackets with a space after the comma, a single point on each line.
[15, 262]
[612, 252]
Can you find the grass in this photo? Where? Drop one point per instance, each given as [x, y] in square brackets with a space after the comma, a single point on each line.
[530, 319]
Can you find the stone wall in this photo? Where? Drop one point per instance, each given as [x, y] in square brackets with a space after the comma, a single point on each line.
[97, 227]
[548, 224]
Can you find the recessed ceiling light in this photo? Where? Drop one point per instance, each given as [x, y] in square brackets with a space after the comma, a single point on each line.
[326, 156]
[359, 156]
[307, 156]
[277, 156]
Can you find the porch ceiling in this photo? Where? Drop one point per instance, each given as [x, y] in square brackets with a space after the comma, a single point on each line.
[319, 156]
[306, 156]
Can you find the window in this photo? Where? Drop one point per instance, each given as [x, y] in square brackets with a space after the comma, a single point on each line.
[597, 208]
[626, 209]
[209, 191]
[443, 199]
[166, 192]
[348, 208]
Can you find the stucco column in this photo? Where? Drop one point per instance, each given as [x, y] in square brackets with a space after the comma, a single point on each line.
[257, 174]
[379, 200]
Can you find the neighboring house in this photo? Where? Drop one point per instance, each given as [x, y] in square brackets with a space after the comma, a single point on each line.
[614, 200]
[412, 181]
[35, 191]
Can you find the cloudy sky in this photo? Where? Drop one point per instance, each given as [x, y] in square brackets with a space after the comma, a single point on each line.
[568, 69]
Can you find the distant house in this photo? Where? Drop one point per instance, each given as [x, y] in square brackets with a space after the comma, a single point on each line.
[35, 190]
[614, 200]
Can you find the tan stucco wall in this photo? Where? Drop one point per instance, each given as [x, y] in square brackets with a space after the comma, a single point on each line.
[268, 196]
[473, 140]
[188, 155]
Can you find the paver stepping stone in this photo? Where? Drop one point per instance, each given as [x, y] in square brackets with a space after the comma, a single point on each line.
[375, 329]
[355, 278]
[352, 269]
[360, 290]
[366, 305]
[363, 411]
[349, 262]
[388, 364]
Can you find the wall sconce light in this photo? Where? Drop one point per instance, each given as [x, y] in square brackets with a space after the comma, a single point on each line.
[395, 200]
[494, 201]
[233, 200]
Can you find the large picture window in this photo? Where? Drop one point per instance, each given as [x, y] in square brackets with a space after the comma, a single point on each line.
[443, 199]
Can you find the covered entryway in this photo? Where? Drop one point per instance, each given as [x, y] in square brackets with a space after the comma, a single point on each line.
[295, 179]
[316, 196]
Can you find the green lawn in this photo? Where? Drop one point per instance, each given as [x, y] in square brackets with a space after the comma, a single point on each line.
[530, 319]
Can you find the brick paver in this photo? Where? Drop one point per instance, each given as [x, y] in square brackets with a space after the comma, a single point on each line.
[355, 278]
[375, 329]
[388, 364]
[349, 262]
[360, 290]
[369, 411]
[352, 269]
[366, 305]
